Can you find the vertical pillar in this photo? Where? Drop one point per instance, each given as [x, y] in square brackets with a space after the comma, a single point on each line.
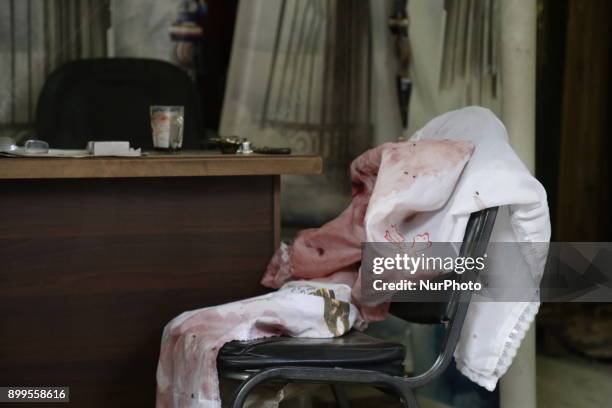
[518, 69]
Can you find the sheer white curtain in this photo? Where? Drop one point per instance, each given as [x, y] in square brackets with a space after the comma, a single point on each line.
[37, 36]
[300, 76]
[140, 28]
[435, 38]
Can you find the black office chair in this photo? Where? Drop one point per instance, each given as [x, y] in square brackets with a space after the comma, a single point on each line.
[357, 358]
[109, 99]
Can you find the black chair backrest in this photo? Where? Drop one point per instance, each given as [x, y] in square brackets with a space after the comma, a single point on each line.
[109, 99]
[475, 241]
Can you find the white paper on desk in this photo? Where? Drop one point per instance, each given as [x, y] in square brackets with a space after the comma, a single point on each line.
[67, 153]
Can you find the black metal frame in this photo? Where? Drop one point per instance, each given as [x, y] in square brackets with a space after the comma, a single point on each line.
[475, 241]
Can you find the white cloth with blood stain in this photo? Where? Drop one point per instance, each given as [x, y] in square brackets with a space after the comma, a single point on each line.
[187, 370]
[187, 376]
[494, 177]
[400, 191]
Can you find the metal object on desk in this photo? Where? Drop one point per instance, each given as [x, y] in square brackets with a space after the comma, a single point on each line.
[245, 147]
[227, 145]
[32, 147]
[235, 145]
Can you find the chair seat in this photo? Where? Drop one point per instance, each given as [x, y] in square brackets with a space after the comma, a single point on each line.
[354, 350]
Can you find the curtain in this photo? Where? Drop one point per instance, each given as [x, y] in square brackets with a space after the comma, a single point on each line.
[300, 77]
[455, 57]
[140, 28]
[36, 37]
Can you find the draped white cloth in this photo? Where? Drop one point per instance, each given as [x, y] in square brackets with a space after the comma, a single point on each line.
[494, 176]
[187, 371]
[458, 164]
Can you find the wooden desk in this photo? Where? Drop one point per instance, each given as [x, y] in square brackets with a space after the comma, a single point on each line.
[97, 255]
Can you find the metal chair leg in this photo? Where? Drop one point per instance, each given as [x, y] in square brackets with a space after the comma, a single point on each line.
[242, 392]
[402, 386]
[342, 400]
[408, 398]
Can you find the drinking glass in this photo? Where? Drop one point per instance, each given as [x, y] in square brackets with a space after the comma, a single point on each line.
[167, 126]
